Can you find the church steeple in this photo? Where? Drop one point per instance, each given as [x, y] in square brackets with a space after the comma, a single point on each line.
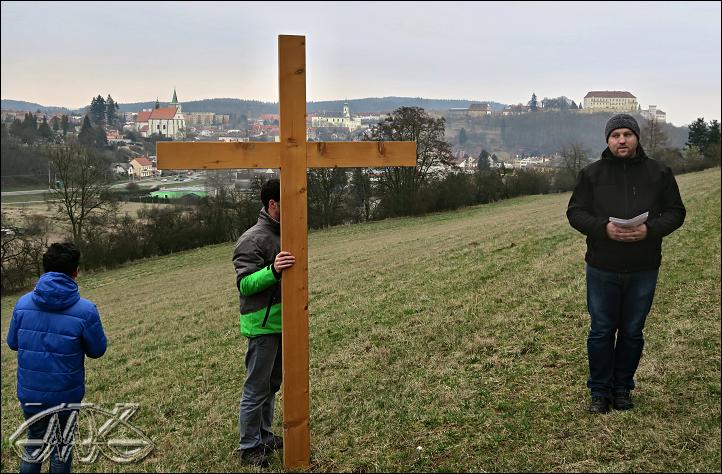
[174, 102]
[157, 104]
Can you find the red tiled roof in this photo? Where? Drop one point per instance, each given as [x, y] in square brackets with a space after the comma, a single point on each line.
[144, 128]
[143, 161]
[166, 113]
[143, 116]
[610, 94]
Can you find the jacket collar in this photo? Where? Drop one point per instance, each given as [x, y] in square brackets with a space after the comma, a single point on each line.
[266, 220]
[638, 158]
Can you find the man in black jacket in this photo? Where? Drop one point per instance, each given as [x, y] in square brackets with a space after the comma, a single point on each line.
[622, 261]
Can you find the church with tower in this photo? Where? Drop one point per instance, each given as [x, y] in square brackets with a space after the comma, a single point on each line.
[163, 121]
[343, 119]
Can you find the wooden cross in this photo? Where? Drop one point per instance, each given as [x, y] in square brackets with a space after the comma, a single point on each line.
[293, 155]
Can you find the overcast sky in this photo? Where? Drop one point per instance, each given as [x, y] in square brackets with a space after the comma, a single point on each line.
[665, 53]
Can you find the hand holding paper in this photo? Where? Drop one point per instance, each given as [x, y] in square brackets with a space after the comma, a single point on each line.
[633, 222]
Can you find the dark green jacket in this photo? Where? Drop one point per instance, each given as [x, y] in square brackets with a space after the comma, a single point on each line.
[258, 283]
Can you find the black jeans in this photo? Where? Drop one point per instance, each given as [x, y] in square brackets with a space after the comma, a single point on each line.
[618, 304]
[264, 375]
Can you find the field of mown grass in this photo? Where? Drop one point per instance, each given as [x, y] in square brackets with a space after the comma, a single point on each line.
[450, 342]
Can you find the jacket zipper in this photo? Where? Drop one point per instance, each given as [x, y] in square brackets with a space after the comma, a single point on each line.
[626, 192]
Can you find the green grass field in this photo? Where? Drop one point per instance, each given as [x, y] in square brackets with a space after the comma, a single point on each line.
[451, 342]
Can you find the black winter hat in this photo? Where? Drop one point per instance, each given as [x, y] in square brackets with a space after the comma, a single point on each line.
[621, 121]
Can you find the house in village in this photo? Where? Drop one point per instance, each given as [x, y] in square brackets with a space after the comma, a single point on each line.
[475, 110]
[141, 167]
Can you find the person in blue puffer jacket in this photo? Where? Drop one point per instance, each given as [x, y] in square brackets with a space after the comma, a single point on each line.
[53, 329]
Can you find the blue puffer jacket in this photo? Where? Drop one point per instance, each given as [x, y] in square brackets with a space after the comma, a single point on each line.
[53, 329]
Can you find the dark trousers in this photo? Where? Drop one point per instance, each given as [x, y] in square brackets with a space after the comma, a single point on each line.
[264, 375]
[37, 432]
[618, 304]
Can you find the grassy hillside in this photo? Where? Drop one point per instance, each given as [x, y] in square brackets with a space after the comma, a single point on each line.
[452, 342]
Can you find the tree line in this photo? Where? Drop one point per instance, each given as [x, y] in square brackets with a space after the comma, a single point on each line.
[107, 237]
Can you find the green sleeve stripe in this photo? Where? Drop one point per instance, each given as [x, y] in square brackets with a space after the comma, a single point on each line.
[257, 282]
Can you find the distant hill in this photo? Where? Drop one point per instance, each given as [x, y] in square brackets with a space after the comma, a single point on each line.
[543, 132]
[546, 132]
[9, 104]
[251, 108]
[389, 104]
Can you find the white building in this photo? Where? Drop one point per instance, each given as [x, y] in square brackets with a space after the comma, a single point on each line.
[334, 120]
[653, 113]
[610, 101]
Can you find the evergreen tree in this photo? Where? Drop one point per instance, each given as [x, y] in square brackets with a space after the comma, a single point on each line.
[55, 121]
[111, 111]
[29, 129]
[86, 136]
[101, 139]
[712, 149]
[461, 140]
[44, 130]
[16, 128]
[483, 163]
[98, 110]
[64, 124]
[574, 106]
[533, 104]
[713, 133]
[698, 134]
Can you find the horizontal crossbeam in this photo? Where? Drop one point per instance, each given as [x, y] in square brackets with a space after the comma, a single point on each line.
[241, 155]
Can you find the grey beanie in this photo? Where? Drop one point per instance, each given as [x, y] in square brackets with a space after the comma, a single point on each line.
[621, 121]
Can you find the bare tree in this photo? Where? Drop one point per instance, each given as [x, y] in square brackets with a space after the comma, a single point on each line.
[219, 182]
[400, 186]
[21, 250]
[653, 138]
[326, 190]
[575, 157]
[81, 186]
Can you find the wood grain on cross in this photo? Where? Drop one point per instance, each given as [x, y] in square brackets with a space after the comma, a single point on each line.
[293, 155]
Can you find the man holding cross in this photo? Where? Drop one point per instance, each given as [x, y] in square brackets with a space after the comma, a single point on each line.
[293, 155]
[259, 262]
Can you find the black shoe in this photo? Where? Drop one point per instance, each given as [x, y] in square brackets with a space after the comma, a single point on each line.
[275, 443]
[256, 456]
[599, 405]
[622, 400]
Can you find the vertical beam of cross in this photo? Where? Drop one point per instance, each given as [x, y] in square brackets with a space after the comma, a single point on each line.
[294, 289]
